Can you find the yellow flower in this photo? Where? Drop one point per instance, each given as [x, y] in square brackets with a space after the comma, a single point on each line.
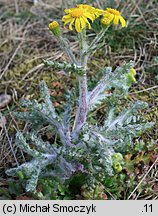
[79, 17]
[54, 27]
[114, 16]
[94, 11]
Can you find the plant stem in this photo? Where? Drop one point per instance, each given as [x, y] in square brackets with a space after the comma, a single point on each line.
[60, 129]
[96, 40]
[67, 49]
[82, 107]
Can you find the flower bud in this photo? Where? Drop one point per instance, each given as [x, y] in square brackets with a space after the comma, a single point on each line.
[54, 27]
[105, 21]
[117, 166]
[132, 71]
[131, 77]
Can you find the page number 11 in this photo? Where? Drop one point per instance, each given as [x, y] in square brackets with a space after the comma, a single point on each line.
[148, 208]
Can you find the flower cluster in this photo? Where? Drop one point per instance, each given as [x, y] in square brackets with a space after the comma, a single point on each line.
[83, 15]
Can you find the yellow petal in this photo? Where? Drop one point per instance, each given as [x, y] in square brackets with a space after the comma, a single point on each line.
[83, 23]
[72, 21]
[67, 21]
[67, 11]
[123, 22]
[109, 16]
[86, 21]
[98, 12]
[77, 25]
[90, 16]
[66, 17]
[116, 20]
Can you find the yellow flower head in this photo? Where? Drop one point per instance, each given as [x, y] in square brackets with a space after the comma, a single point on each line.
[94, 11]
[79, 17]
[54, 27]
[114, 16]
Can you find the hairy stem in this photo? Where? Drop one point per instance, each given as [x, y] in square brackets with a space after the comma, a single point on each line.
[97, 90]
[96, 40]
[67, 49]
[82, 107]
[60, 129]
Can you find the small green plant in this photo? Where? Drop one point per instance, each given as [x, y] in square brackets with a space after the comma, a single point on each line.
[91, 150]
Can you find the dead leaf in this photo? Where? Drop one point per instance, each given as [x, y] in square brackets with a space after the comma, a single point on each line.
[103, 196]
[62, 73]
[4, 100]
[3, 121]
[155, 188]
[24, 198]
[56, 104]
[53, 93]
[153, 158]
[56, 84]
[3, 183]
